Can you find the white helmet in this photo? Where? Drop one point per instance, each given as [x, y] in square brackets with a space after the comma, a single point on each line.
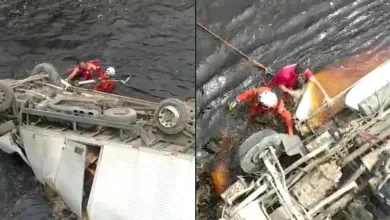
[268, 99]
[110, 71]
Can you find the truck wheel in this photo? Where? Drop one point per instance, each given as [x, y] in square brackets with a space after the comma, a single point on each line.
[7, 96]
[31, 208]
[125, 115]
[246, 155]
[171, 116]
[47, 68]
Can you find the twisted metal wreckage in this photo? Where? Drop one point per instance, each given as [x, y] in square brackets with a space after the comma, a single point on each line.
[101, 152]
[342, 152]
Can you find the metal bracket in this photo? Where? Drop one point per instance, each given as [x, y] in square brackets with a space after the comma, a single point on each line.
[292, 145]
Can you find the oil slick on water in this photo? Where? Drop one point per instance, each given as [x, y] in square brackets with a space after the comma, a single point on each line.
[336, 79]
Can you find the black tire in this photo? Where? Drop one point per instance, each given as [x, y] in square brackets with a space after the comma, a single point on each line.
[124, 115]
[244, 153]
[7, 96]
[31, 208]
[49, 69]
[182, 120]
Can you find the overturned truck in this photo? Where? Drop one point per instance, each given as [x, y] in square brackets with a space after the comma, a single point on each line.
[329, 167]
[105, 156]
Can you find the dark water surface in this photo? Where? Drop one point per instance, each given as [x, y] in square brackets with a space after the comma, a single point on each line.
[276, 33]
[149, 39]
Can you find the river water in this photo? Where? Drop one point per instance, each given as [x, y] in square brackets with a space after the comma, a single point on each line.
[276, 33]
[151, 40]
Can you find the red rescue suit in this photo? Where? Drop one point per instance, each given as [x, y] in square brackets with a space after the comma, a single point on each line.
[257, 108]
[86, 70]
[105, 85]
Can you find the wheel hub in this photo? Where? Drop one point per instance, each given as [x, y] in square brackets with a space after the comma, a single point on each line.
[168, 116]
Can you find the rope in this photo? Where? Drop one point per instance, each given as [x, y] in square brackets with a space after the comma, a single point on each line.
[267, 70]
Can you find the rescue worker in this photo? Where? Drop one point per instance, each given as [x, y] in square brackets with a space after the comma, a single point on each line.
[105, 85]
[262, 100]
[86, 69]
[286, 78]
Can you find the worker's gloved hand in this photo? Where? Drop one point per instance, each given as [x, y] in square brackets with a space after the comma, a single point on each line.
[296, 94]
[329, 101]
[233, 105]
[66, 83]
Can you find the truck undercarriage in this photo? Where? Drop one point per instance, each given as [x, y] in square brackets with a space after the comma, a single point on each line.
[334, 166]
[97, 153]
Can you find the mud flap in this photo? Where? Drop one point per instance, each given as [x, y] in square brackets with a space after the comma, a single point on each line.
[69, 179]
[292, 145]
